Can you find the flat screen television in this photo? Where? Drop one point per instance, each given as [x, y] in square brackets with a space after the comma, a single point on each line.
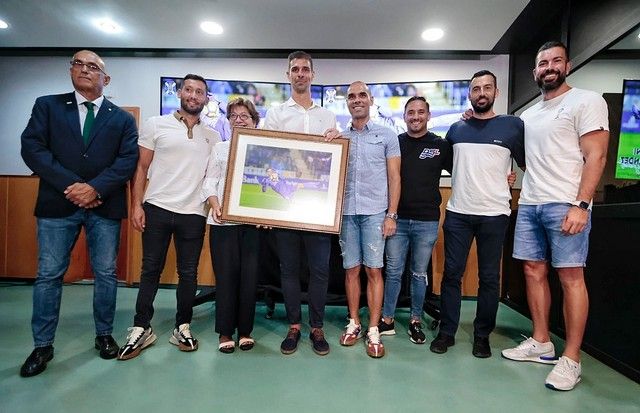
[263, 94]
[628, 158]
[447, 101]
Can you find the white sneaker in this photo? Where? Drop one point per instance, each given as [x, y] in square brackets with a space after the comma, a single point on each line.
[532, 350]
[565, 375]
[182, 338]
[137, 340]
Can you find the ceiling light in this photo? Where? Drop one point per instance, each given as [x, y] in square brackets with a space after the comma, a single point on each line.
[107, 25]
[211, 27]
[4, 24]
[432, 34]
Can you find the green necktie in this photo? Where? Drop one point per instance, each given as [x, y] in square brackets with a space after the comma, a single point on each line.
[88, 121]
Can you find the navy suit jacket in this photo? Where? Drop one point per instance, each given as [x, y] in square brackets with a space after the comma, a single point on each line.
[53, 148]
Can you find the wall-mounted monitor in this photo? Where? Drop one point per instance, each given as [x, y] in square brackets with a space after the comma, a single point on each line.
[263, 94]
[628, 159]
[447, 100]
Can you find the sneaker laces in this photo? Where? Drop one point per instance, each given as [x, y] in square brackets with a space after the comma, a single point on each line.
[292, 333]
[185, 331]
[416, 326]
[374, 337]
[132, 337]
[564, 369]
[352, 327]
[527, 343]
[317, 334]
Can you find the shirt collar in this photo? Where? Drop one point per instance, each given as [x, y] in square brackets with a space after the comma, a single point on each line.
[291, 102]
[81, 99]
[183, 120]
[368, 126]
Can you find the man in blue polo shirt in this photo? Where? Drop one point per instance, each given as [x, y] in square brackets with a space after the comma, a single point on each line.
[370, 212]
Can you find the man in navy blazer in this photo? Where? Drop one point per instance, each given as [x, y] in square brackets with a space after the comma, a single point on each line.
[84, 149]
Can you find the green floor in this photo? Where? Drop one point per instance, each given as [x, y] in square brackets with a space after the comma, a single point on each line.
[162, 379]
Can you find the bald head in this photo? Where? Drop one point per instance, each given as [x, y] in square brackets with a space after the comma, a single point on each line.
[359, 101]
[88, 74]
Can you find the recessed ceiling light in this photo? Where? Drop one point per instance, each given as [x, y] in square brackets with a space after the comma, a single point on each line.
[432, 34]
[4, 24]
[107, 25]
[211, 27]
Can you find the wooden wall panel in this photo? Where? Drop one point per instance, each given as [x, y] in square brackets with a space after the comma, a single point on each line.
[169, 274]
[4, 196]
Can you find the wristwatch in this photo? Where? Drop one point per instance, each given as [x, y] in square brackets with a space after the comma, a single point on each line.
[392, 215]
[581, 204]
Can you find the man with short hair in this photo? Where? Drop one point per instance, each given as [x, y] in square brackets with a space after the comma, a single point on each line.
[174, 152]
[372, 192]
[566, 139]
[483, 148]
[300, 114]
[424, 155]
[83, 148]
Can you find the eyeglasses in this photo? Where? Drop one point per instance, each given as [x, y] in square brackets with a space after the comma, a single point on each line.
[91, 67]
[244, 117]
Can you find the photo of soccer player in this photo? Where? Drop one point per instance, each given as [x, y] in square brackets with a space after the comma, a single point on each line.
[276, 178]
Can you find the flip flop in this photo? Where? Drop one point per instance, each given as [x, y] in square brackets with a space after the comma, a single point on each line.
[227, 347]
[246, 343]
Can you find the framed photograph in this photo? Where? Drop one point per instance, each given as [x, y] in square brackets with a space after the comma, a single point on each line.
[286, 180]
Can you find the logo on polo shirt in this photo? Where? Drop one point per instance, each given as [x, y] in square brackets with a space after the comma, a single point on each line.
[429, 153]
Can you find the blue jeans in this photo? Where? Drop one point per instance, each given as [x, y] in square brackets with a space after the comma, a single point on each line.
[187, 231]
[538, 233]
[361, 240]
[420, 236]
[459, 231]
[56, 238]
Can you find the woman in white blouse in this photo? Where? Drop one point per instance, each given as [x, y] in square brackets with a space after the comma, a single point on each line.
[234, 248]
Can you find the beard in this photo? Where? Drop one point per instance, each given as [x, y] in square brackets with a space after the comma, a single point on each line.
[184, 106]
[560, 79]
[484, 108]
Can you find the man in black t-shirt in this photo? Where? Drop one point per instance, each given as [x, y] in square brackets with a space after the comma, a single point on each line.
[424, 155]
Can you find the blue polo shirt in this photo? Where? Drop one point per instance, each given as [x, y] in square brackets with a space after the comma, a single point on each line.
[367, 190]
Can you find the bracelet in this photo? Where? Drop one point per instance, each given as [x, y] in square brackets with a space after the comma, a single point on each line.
[392, 215]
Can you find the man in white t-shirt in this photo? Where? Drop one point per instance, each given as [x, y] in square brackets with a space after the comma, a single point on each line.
[566, 138]
[174, 152]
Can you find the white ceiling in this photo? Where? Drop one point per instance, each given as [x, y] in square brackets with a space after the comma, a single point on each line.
[470, 25]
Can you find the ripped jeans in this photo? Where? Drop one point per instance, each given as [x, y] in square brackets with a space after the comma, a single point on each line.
[419, 236]
[361, 240]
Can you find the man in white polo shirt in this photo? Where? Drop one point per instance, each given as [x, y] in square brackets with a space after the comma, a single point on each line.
[301, 114]
[174, 152]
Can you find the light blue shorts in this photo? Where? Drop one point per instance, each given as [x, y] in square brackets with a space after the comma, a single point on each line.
[361, 240]
[538, 236]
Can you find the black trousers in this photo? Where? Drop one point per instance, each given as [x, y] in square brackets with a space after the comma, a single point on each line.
[235, 250]
[187, 231]
[318, 249]
[459, 231]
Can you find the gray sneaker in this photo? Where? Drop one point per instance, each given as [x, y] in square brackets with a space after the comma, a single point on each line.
[532, 350]
[137, 340]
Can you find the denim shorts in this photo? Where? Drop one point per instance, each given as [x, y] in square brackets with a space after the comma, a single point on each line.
[538, 236]
[361, 240]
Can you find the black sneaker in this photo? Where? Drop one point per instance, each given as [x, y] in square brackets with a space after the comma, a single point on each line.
[290, 343]
[441, 343]
[319, 344]
[415, 332]
[481, 347]
[386, 329]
